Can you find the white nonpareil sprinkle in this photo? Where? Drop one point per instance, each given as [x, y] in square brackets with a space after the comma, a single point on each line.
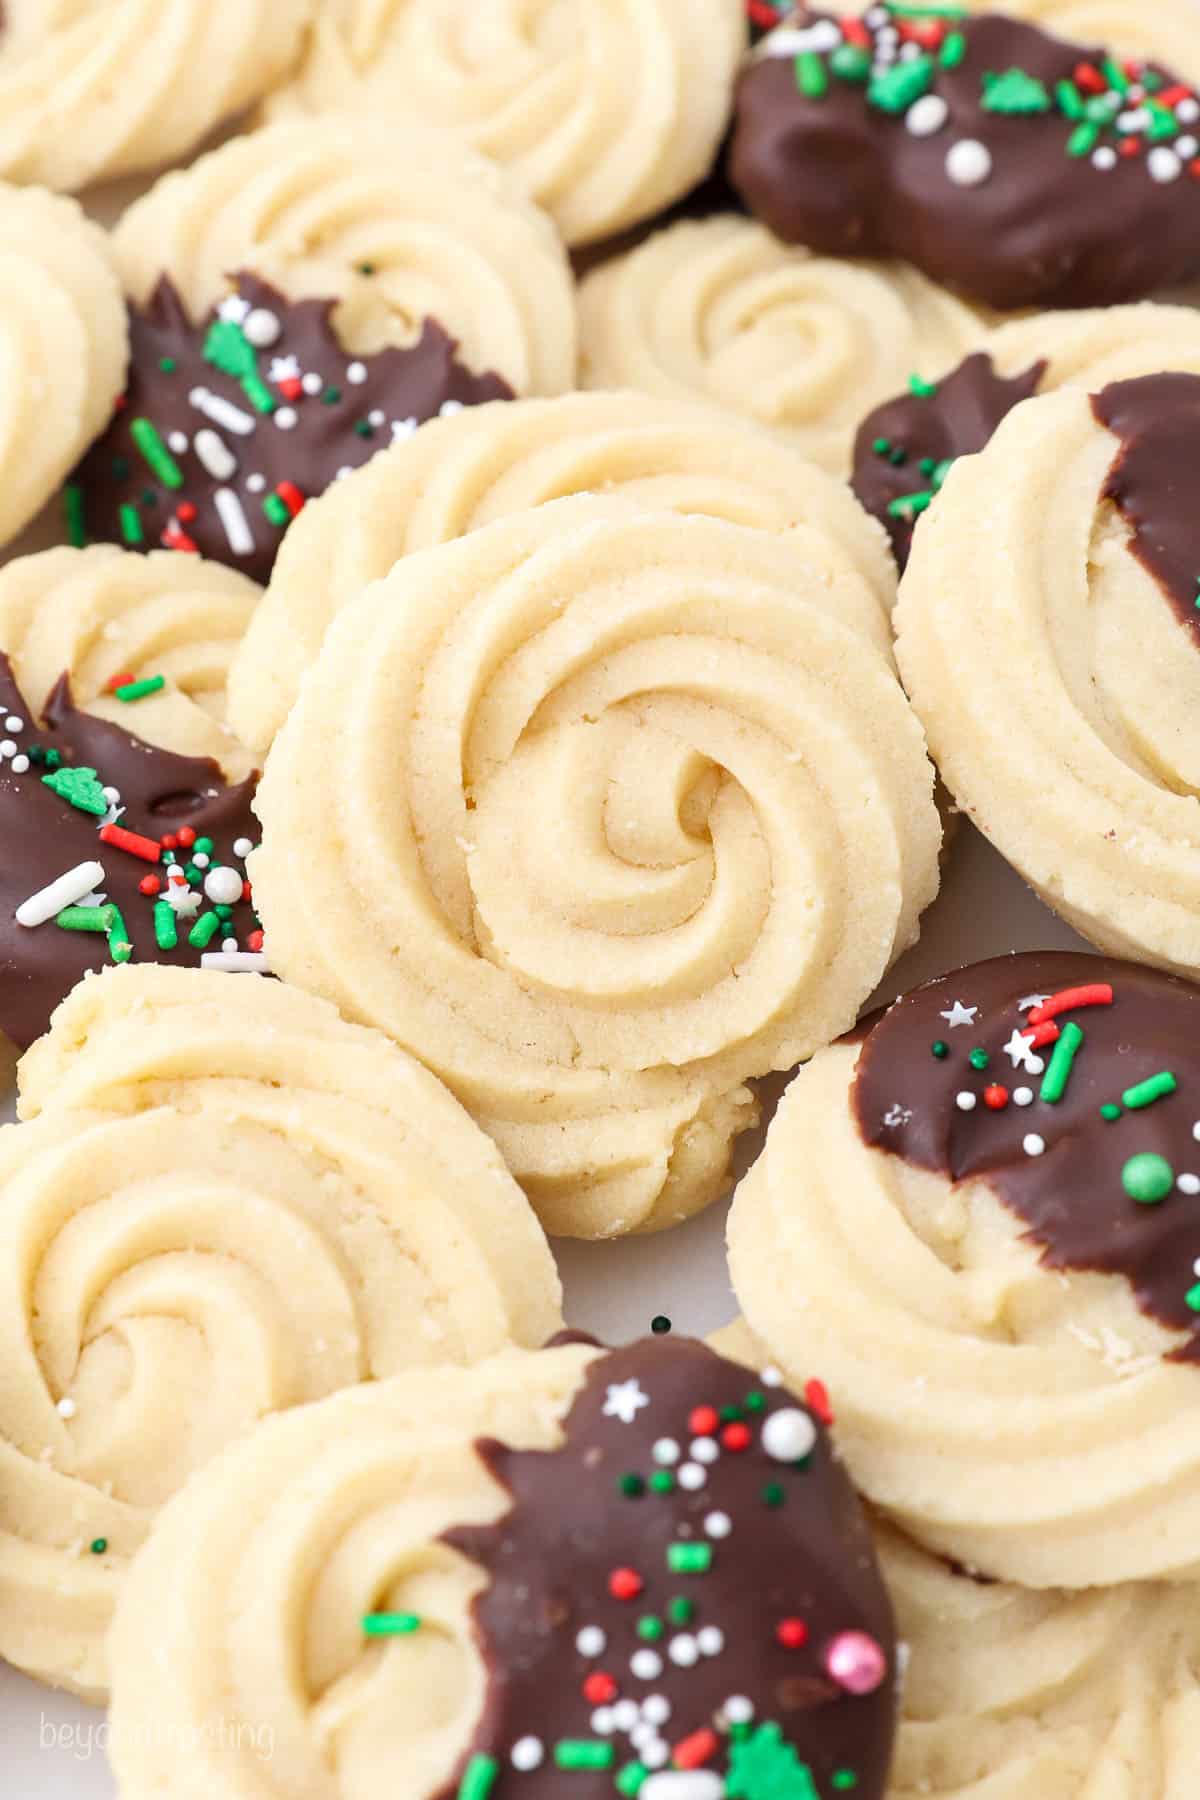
[711, 1640]
[255, 484]
[527, 1753]
[448, 408]
[602, 1722]
[1163, 164]
[1023, 1096]
[738, 1709]
[968, 163]
[718, 1525]
[684, 1651]
[1188, 1184]
[625, 1714]
[591, 1641]
[1188, 111]
[1033, 1144]
[215, 455]
[654, 1754]
[771, 1376]
[926, 116]
[789, 1435]
[356, 374]
[229, 944]
[234, 522]
[242, 847]
[67, 1407]
[201, 859]
[287, 418]
[646, 1665]
[222, 411]
[692, 1477]
[239, 962]
[312, 384]
[7, 749]
[68, 890]
[262, 328]
[223, 887]
[1104, 158]
[666, 1451]
[178, 441]
[705, 1450]
[966, 1101]
[656, 1708]
[20, 765]
[1187, 147]
[13, 723]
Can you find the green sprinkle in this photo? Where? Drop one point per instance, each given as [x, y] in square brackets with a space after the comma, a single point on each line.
[730, 1415]
[229, 349]
[1145, 1093]
[1193, 1298]
[1070, 100]
[940, 472]
[1058, 1069]
[953, 50]
[80, 788]
[391, 1624]
[224, 913]
[1147, 1178]
[632, 1486]
[940, 1048]
[883, 447]
[149, 497]
[366, 268]
[689, 1559]
[203, 846]
[681, 1610]
[364, 429]
[755, 1402]
[1016, 93]
[931, 9]
[166, 932]
[1115, 75]
[131, 525]
[98, 1546]
[154, 451]
[811, 78]
[76, 529]
[660, 1324]
[850, 62]
[119, 946]
[1083, 139]
[629, 1779]
[121, 468]
[167, 364]
[192, 873]
[83, 918]
[1109, 1111]
[773, 1494]
[584, 1753]
[139, 690]
[898, 457]
[1099, 109]
[650, 1628]
[276, 510]
[479, 1778]
[924, 390]
[662, 1481]
[895, 90]
[331, 396]
[204, 931]
[979, 1058]
[911, 506]
[927, 465]
[842, 1780]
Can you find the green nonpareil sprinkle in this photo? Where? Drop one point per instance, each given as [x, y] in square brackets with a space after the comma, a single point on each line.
[391, 1624]
[276, 510]
[898, 457]
[631, 1485]
[203, 846]
[896, 88]
[681, 1610]
[166, 930]
[811, 78]
[650, 1628]
[689, 1559]
[140, 690]
[83, 918]
[850, 62]
[158, 458]
[924, 390]
[662, 1481]
[773, 1494]
[131, 524]
[98, 1546]
[479, 1778]
[77, 530]
[1148, 1178]
[940, 1048]
[1109, 1112]
[1145, 1093]
[629, 1779]
[1193, 1298]
[1058, 1069]
[940, 472]
[842, 1780]
[584, 1753]
[979, 1058]
[730, 1415]
[911, 506]
[331, 396]
[204, 931]
[119, 946]
[755, 1402]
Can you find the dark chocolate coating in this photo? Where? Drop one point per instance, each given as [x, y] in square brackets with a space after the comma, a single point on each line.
[333, 428]
[1071, 1198]
[810, 1556]
[1153, 480]
[958, 419]
[44, 837]
[1045, 228]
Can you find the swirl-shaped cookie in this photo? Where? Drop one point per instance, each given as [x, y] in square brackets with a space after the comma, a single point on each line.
[602, 811]
[718, 310]
[489, 461]
[301, 297]
[91, 89]
[606, 113]
[1048, 619]
[577, 1600]
[906, 448]
[977, 1221]
[63, 345]
[224, 1202]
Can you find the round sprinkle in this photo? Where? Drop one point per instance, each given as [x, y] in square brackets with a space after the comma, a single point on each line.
[773, 1377]
[926, 116]
[312, 383]
[223, 887]
[625, 1715]
[178, 441]
[968, 163]
[287, 418]
[656, 1709]
[711, 1640]
[1147, 1178]
[1033, 1144]
[112, 795]
[1163, 164]
[1188, 1184]
[979, 1058]
[1104, 158]
[654, 1753]
[262, 328]
[1188, 111]
[692, 1477]
[659, 1324]
[704, 1450]
[356, 374]
[856, 1662]
[528, 1753]
[718, 1525]
[14, 723]
[98, 1546]
[1023, 1096]
[940, 1048]
[591, 1641]
[243, 847]
[738, 1709]
[965, 1101]
[202, 859]
[789, 1435]
[7, 749]
[666, 1451]
[602, 1721]
[995, 1097]
[20, 765]
[67, 1407]
[1187, 147]
[255, 484]
[647, 1665]
[684, 1650]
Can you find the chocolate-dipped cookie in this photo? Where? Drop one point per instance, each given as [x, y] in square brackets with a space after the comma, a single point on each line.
[638, 1571]
[981, 1215]
[1019, 168]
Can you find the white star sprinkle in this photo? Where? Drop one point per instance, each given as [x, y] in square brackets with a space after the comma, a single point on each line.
[897, 1115]
[624, 1401]
[234, 310]
[1030, 1001]
[285, 368]
[959, 1015]
[1020, 1050]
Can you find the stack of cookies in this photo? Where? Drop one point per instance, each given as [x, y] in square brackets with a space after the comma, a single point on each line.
[523, 537]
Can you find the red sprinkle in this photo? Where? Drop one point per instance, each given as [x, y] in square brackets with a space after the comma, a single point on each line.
[1131, 146]
[123, 680]
[599, 1689]
[736, 1437]
[792, 1634]
[817, 1396]
[149, 885]
[186, 836]
[131, 841]
[1173, 95]
[1090, 78]
[170, 842]
[856, 33]
[1096, 993]
[703, 1421]
[247, 891]
[1194, 167]
[697, 1749]
[996, 1097]
[292, 387]
[186, 510]
[173, 538]
[255, 942]
[625, 1584]
[762, 14]
[291, 496]
[1041, 1035]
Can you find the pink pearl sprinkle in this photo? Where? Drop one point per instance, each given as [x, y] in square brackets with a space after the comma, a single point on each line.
[856, 1662]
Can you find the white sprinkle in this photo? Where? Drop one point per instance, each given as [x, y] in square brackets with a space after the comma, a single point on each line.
[178, 441]
[1187, 147]
[1023, 1096]
[1196, 1131]
[312, 383]
[682, 1784]
[403, 428]
[7, 749]
[888, 37]
[705, 1450]
[591, 1641]
[201, 859]
[1033, 1144]
[684, 1650]
[602, 1721]
[666, 1451]
[1135, 120]
[112, 795]
[910, 52]
[242, 847]
[654, 1755]
[448, 408]
[14, 723]
[795, 40]
[1196, 1266]
[692, 1477]
[68, 890]
[356, 374]
[20, 765]
[646, 1665]
[232, 515]
[968, 163]
[287, 418]
[965, 1101]
[67, 1407]
[738, 1709]
[376, 418]
[718, 1525]
[771, 1377]
[789, 1435]
[642, 1734]
[1104, 158]
[263, 328]
[1188, 1184]
[656, 1708]
[346, 469]
[215, 454]
[711, 1640]
[222, 411]
[223, 887]
[242, 962]
[926, 116]
[255, 484]
[625, 1714]
[527, 1753]
[229, 944]
[1188, 111]
[1163, 164]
